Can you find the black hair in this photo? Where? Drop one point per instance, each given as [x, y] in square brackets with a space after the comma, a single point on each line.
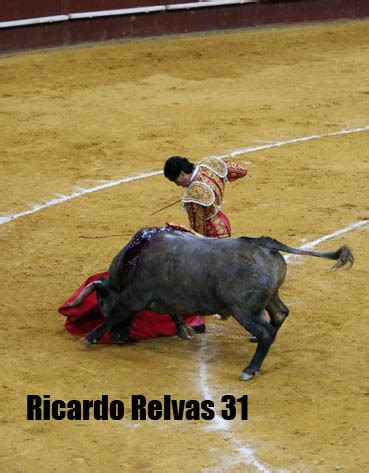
[174, 165]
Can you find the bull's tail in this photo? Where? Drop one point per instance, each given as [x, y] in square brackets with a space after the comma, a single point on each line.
[343, 255]
[86, 291]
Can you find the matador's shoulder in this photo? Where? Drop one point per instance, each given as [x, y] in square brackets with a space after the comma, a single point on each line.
[199, 193]
[217, 165]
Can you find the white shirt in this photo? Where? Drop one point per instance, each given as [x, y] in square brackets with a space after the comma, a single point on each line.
[194, 173]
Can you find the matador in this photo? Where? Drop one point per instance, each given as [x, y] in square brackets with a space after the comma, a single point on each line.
[204, 194]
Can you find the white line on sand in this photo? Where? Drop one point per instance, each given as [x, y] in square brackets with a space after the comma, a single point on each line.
[312, 244]
[81, 191]
[237, 152]
[245, 454]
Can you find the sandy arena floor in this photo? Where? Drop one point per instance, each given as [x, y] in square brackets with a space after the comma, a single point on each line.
[78, 116]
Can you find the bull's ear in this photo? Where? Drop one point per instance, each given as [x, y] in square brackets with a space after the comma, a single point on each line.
[102, 287]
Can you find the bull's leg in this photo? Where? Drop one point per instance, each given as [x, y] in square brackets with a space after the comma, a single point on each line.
[253, 339]
[265, 334]
[251, 318]
[277, 311]
[183, 331]
[119, 327]
[119, 333]
[95, 335]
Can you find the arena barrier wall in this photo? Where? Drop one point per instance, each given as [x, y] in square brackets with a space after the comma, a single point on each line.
[49, 23]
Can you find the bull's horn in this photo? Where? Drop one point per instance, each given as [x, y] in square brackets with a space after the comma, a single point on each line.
[86, 291]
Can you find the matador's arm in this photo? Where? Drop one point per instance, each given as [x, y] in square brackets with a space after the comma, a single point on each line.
[196, 216]
[235, 171]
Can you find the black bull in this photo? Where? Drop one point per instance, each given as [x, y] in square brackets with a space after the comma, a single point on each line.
[179, 273]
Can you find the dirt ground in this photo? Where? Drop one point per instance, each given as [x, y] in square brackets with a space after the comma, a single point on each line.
[76, 117]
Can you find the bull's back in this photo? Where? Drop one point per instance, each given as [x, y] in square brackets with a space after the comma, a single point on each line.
[204, 264]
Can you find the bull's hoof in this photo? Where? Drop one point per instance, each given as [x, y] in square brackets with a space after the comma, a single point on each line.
[121, 342]
[85, 341]
[186, 332]
[253, 339]
[246, 376]
[118, 339]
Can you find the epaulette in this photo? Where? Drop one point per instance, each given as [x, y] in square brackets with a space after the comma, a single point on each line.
[199, 193]
[217, 165]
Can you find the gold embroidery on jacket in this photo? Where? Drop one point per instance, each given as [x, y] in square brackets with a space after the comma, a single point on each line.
[199, 193]
[216, 165]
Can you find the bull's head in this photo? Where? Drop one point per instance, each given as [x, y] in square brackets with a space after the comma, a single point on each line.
[110, 303]
[107, 298]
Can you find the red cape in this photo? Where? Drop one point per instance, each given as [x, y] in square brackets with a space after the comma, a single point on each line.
[146, 324]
